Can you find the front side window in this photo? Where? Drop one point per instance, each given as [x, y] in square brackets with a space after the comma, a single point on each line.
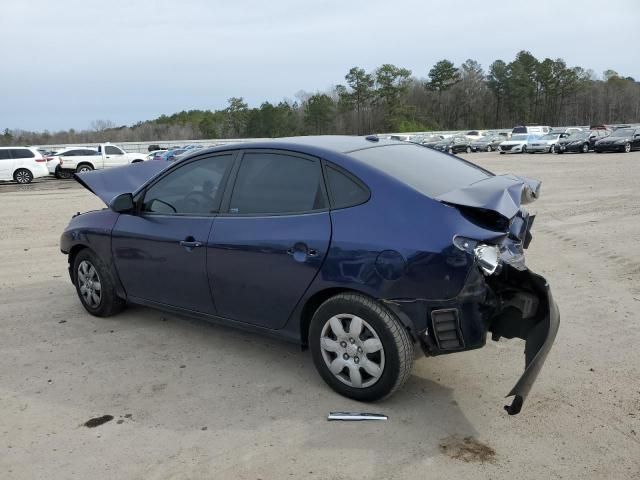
[21, 153]
[194, 188]
[110, 150]
[276, 183]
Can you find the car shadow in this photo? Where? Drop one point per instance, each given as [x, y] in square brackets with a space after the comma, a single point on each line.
[259, 380]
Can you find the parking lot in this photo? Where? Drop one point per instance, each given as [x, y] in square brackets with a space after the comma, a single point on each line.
[194, 400]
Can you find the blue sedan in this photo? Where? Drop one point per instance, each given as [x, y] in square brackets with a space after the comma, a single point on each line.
[357, 248]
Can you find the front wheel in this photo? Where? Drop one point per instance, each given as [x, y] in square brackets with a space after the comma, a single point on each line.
[468, 149]
[524, 149]
[23, 176]
[627, 147]
[552, 149]
[95, 285]
[585, 148]
[489, 149]
[360, 349]
[450, 150]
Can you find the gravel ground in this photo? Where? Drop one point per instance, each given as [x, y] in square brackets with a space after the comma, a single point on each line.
[190, 400]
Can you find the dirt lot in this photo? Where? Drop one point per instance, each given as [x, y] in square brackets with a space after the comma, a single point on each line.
[192, 400]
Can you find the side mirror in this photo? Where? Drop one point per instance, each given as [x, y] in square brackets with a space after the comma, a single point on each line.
[122, 203]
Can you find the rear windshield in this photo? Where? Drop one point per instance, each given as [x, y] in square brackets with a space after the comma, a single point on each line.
[426, 170]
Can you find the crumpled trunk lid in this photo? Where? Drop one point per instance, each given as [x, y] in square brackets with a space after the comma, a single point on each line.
[501, 194]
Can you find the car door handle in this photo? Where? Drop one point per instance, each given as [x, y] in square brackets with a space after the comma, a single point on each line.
[189, 243]
[302, 249]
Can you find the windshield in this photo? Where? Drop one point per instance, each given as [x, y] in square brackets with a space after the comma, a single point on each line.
[549, 136]
[427, 171]
[623, 132]
[519, 138]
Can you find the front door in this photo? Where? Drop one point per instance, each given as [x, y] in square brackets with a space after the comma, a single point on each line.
[6, 164]
[264, 252]
[159, 251]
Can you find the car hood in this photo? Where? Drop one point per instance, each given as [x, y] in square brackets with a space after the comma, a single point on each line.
[502, 194]
[514, 142]
[106, 184]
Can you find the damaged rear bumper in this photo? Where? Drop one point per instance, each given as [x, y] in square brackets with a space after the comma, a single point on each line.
[516, 303]
[538, 328]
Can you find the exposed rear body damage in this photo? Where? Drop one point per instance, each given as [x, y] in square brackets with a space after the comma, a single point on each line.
[388, 243]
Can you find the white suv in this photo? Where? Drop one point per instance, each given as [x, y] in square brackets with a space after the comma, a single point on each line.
[22, 164]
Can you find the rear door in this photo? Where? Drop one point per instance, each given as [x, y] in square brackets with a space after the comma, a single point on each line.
[269, 245]
[159, 251]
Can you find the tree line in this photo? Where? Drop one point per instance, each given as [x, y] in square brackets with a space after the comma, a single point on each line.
[393, 99]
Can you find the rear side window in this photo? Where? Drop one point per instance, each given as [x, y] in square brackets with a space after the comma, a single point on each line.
[4, 154]
[345, 191]
[275, 183]
[424, 169]
[21, 153]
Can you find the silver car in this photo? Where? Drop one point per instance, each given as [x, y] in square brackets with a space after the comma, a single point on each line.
[545, 144]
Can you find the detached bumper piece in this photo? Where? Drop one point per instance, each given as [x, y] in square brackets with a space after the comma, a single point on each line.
[527, 311]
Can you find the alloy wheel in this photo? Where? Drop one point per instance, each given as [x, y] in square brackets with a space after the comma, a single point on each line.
[627, 147]
[585, 148]
[89, 284]
[23, 176]
[352, 350]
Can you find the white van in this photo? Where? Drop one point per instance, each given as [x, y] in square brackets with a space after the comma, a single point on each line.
[22, 164]
[531, 129]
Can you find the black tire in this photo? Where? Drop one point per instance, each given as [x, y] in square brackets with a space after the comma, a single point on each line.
[627, 147]
[84, 167]
[109, 303]
[23, 176]
[552, 149]
[468, 149]
[397, 346]
[63, 174]
[584, 148]
[524, 149]
[450, 151]
[489, 149]
[559, 152]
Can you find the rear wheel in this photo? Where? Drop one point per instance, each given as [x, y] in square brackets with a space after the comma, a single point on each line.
[23, 176]
[84, 167]
[95, 285]
[63, 174]
[585, 148]
[552, 149]
[468, 149]
[489, 148]
[360, 349]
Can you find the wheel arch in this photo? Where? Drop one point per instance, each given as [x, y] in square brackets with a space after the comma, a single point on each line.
[318, 298]
[85, 162]
[23, 167]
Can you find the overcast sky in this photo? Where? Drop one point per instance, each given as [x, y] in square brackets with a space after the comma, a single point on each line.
[66, 62]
